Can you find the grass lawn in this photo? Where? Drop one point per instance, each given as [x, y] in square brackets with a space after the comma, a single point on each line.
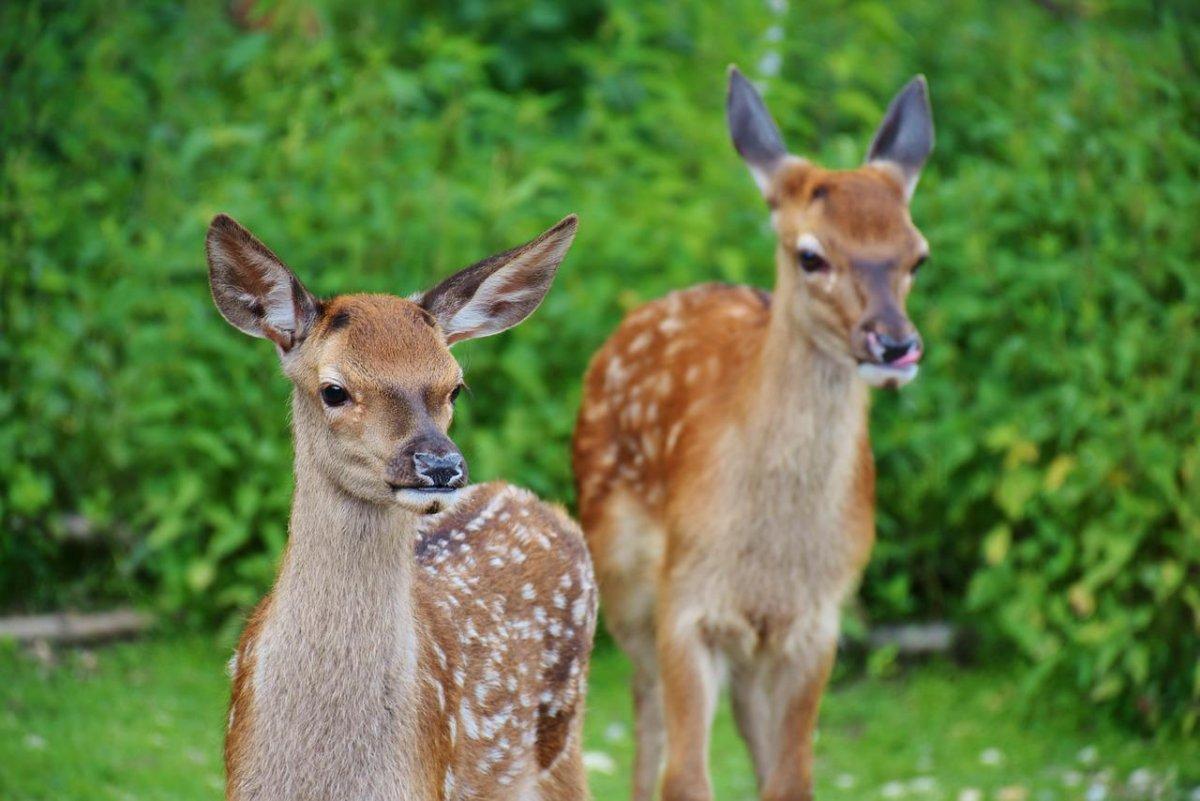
[144, 721]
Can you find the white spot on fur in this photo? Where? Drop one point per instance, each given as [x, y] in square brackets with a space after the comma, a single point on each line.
[640, 342]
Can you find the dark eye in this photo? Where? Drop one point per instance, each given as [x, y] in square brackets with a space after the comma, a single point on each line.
[918, 264]
[454, 393]
[334, 395]
[811, 262]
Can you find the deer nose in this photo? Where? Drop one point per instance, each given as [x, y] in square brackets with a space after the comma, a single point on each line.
[897, 352]
[440, 470]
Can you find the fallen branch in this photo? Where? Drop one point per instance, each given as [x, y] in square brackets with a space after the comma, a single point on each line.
[915, 638]
[72, 627]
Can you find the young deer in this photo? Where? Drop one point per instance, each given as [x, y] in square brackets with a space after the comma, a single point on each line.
[725, 477]
[403, 654]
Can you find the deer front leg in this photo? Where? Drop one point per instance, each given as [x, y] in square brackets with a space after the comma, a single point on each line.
[689, 684]
[648, 714]
[796, 693]
[753, 713]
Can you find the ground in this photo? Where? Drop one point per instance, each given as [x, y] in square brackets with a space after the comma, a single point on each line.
[144, 721]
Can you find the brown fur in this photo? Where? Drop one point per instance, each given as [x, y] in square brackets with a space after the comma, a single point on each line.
[479, 628]
[726, 484]
[403, 655]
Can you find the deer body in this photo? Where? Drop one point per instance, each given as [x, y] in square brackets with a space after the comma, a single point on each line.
[415, 659]
[424, 639]
[725, 476]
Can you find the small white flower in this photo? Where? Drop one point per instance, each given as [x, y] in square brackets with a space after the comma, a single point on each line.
[1013, 792]
[35, 742]
[991, 757]
[893, 790]
[923, 784]
[615, 732]
[844, 781]
[970, 794]
[599, 762]
[1072, 778]
[1141, 781]
[1096, 792]
[1088, 755]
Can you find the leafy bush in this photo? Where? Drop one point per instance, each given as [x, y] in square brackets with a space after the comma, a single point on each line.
[1040, 481]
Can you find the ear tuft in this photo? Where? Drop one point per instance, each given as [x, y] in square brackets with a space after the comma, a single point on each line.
[905, 137]
[495, 294]
[755, 135]
[254, 291]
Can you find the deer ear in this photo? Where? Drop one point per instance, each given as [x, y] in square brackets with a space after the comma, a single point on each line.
[501, 291]
[254, 291]
[754, 133]
[905, 137]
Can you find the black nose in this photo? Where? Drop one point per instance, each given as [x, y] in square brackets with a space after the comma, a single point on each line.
[444, 470]
[892, 349]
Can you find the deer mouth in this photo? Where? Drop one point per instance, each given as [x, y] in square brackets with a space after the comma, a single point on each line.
[892, 376]
[423, 488]
[426, 500]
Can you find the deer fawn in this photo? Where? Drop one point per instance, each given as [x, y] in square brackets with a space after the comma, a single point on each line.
[424, 639]
[724, 471]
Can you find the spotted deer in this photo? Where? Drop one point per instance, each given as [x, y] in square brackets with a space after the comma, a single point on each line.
[724, 473]
[425, 638]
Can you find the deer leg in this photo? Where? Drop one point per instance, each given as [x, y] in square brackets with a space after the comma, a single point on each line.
[796, 694]
[649, 727]
[568, 777]
[689, 676]
[752, 713]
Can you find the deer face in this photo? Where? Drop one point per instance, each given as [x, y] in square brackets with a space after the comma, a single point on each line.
[848, 249]
[375, 381]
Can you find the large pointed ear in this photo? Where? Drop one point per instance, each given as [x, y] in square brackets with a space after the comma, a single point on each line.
[501, 291]
[754, 133]
[905, 137]
[253, 289]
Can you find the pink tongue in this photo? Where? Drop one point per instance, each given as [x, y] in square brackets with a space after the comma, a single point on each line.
[912, 357]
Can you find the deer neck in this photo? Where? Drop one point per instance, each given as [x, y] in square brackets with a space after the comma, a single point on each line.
[348, 572]
[807, 409]
[336, 660]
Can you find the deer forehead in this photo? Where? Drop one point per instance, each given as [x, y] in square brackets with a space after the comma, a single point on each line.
[382, 339]
[862, 209]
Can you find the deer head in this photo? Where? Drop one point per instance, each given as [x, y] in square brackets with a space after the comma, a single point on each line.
[847, 248]
[374, 380]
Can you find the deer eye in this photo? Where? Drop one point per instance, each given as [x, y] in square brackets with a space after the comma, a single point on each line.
[811, 261]
[454, 393]
[920, 261]
[334, 395]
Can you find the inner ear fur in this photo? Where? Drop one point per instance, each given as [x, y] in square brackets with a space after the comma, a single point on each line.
[253, 289]
[502, 290]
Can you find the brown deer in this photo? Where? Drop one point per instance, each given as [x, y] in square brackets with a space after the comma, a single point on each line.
[725, 478]
[424, 639]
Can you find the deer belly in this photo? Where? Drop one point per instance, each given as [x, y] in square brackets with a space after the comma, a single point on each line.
[750, 632]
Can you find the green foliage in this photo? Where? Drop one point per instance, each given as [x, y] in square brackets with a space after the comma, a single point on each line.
[1041, 480]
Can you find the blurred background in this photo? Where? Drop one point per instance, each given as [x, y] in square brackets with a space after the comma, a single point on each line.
[1039, 485]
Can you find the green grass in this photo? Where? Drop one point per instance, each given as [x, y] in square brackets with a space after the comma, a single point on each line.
[145, 720]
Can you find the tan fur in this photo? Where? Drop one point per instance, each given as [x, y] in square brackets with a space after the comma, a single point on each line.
[726, 484]
[402, 656]
[477, 687]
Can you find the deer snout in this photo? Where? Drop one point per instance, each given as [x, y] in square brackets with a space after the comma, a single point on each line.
[428, 463]
[888, 352]
[439, 470]
[894, 351]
